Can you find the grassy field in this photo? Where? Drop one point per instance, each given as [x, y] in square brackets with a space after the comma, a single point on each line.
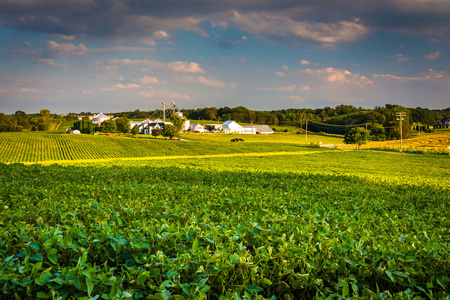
[30, 147]
[422, 144]
[260, 219]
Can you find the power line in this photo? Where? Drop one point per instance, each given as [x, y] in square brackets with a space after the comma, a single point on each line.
[326, 124]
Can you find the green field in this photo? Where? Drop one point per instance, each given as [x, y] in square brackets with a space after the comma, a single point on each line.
[30, 147]
[211, 219]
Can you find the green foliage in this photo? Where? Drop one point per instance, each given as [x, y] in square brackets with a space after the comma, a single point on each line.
[109, 126]
[135, 130]
[257, 227]
[170, 131]
[177, 122]
[357, 135]
[123, 124]
[84, 126]
[156, 132]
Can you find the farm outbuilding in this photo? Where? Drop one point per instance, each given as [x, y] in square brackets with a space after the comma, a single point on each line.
[232, 127]
[443, 122]
[197, 127]
[98, 119]
[213, 127]
[262, 129]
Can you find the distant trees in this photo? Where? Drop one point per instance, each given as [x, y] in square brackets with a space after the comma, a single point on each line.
[135, 130]
[123, 124]
[358, 136]
[156, 132]
[170, 131]
[44, 119]
[109, 126]
[84, 126]
[177, 122]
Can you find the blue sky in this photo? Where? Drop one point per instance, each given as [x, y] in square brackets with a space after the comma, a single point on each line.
[118, 55]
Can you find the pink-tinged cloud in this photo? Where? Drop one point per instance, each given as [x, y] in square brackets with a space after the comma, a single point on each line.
[162, 93]
[285, 68]
[151, 80]
[71, 50]
[279, 89]
[296, 98]
[305, 62]
[50, 62]
[281, 25]
[400, 57]
[404, 59]
[206, 81]
[288, 88]
[67, 37]
[279, 74]
[337, 77]
[127, 86]
[67, 49]
[430, 76]
[176, 66]
[27, 44]
[434, 55]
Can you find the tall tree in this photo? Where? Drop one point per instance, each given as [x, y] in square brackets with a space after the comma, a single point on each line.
[123, 124]
[357, 135]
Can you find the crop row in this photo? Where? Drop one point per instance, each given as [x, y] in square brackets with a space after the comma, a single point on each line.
[37, 147]
[143, 231]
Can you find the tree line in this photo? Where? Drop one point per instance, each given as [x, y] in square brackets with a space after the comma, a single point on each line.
[381, 120]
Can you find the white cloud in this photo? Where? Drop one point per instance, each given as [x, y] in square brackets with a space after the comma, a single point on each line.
[160, 35]
[288, 88]
[152, 93]
[151, 80]
[67, 49]
[281, 25]
[176, 66]
[400, 57]
[71, 50]
[205, 81]
[434, 55]
[337, 77]
[305, 62]
[296, 98]
[147, 41]
[127, 86]
[242, 60]
[67, 37]
[431, 76]
[50, 62]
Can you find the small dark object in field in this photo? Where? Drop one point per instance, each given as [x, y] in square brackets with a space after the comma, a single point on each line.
[241, 140]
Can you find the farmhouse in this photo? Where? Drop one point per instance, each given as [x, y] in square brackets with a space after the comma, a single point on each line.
[444, 122]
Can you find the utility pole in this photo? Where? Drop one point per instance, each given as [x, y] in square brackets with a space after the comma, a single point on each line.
[401, 117]
[306, 133]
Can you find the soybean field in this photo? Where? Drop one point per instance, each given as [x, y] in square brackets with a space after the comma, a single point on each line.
[290, 223]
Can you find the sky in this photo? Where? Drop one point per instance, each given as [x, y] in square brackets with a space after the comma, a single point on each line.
[122, 55]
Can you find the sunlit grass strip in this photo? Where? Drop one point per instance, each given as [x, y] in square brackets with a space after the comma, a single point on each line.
[103, 160]
[433, 142]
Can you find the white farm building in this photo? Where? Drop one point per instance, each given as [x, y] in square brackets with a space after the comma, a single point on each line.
[98, 119]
